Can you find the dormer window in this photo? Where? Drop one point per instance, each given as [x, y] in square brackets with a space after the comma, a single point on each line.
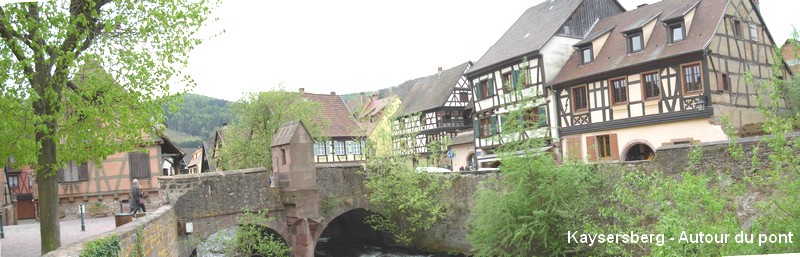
[635, 42]
[676, 32]
[586, 54]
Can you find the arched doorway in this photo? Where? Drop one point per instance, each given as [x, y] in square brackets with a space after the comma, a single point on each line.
[472, 162]
[639, 152]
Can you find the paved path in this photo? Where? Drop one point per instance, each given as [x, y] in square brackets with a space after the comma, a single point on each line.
[23, 240]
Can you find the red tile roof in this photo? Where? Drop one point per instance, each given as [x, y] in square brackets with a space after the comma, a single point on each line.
[335, 113]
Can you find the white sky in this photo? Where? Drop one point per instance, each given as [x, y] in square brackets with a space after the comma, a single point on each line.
[353, 46]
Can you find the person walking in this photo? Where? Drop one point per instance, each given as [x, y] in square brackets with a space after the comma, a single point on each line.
[137, 198]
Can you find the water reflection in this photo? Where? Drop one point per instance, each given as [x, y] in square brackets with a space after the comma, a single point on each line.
[327, 247]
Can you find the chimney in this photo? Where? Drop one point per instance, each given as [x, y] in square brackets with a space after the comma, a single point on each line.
[641, 5]
[333, 93]
[302, 91]
[440, 70]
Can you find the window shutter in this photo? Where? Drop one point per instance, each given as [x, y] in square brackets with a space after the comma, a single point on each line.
[491, 87]
[476, 128]
[83, 172]
[493, 125]
[132, 164]
[514, 80]
[541, 114]
[591, 148]
[478, 94]
[614, 147]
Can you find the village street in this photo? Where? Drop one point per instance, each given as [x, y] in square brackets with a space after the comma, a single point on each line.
[23, 240]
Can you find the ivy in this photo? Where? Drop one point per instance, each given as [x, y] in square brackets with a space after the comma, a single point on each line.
[103, 247]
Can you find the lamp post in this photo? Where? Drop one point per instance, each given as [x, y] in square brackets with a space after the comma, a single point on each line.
[2, 234]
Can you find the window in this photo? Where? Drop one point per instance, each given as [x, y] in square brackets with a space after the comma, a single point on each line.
[676, 33]
[338, 147]
[13, 181]
[484, 127]
[603, 146]
[635, 42]
[737, 28]
[580, 99]
[139, 164]
[507, 84]
[753, 32]
[535, 117]
[650, 82]
[356, 148]
[586, 55]
[74, 172]
[619, 91]
[723, 83]
[691, 78]
[320, 148]
[463, 97]
[485, 89]
[283, 156]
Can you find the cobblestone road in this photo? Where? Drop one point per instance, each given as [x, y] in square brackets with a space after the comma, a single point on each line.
[23, 240]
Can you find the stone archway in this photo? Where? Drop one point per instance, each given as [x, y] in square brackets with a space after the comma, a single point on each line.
[471, 162]
[639, 150]
[348, 229]
[218, 243]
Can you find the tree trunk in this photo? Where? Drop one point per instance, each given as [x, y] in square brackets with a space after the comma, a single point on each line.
[47, 179]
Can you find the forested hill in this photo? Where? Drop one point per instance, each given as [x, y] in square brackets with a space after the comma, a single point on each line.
[198, 116]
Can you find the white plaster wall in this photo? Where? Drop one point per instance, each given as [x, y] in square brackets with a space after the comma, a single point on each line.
[555, 53]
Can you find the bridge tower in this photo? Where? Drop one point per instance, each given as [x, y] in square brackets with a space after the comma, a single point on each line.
[293, 168]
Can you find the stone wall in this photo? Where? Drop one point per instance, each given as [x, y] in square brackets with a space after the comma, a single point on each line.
[450, 234]
[211, 194]
[159, 232]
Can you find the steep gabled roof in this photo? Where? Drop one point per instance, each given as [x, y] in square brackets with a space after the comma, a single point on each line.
[432, 91]
[285, 133]
[530, 32]
[334, 113]
[614, 53]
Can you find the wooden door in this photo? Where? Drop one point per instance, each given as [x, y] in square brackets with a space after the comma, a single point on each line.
[26, 209]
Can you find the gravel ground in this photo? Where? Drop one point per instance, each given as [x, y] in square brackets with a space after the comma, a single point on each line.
[23, 240]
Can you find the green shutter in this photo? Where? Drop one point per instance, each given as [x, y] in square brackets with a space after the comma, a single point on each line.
[542, 116]
[491, 87]
[476, 128]
[514, 75]
[493, 125]
[478, 94]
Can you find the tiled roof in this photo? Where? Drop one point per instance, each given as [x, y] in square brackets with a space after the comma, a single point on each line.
[374, 107]
[530, 32]
[285, 133]
[614, 53]
[432, 91]
[335, 113]
[463, 138]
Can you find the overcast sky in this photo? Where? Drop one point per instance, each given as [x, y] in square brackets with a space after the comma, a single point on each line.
[354, 46]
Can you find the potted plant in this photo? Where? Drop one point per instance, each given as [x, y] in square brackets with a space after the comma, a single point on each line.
[97, 209]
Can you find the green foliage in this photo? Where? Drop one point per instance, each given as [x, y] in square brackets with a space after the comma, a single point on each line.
[257, 117]
[103, 247]
[198, 116]
[81, 80]
[405, 199]
[138, 247]
[252, 238]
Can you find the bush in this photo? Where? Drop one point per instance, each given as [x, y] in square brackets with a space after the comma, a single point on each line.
[103, 247]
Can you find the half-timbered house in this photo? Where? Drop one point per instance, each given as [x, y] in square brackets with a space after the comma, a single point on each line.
[433, 109]
[662, 74]
[344, 139]
[20, 188]
[532, 50]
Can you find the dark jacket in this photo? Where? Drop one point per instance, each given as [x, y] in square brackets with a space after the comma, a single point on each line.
[134, 200]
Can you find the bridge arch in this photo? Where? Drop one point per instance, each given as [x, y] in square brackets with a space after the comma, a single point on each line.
[346, 228]
[217, 241]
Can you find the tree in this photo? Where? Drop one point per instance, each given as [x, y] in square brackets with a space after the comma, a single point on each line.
[83, 79]
[257, 116]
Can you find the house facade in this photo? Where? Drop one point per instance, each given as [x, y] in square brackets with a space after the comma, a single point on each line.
[434, 109]
[662, 74]
[512, 74]
[376, 120]
[87, 183]
[345, 140]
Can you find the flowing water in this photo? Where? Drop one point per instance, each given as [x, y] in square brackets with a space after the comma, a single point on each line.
[327, 247]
